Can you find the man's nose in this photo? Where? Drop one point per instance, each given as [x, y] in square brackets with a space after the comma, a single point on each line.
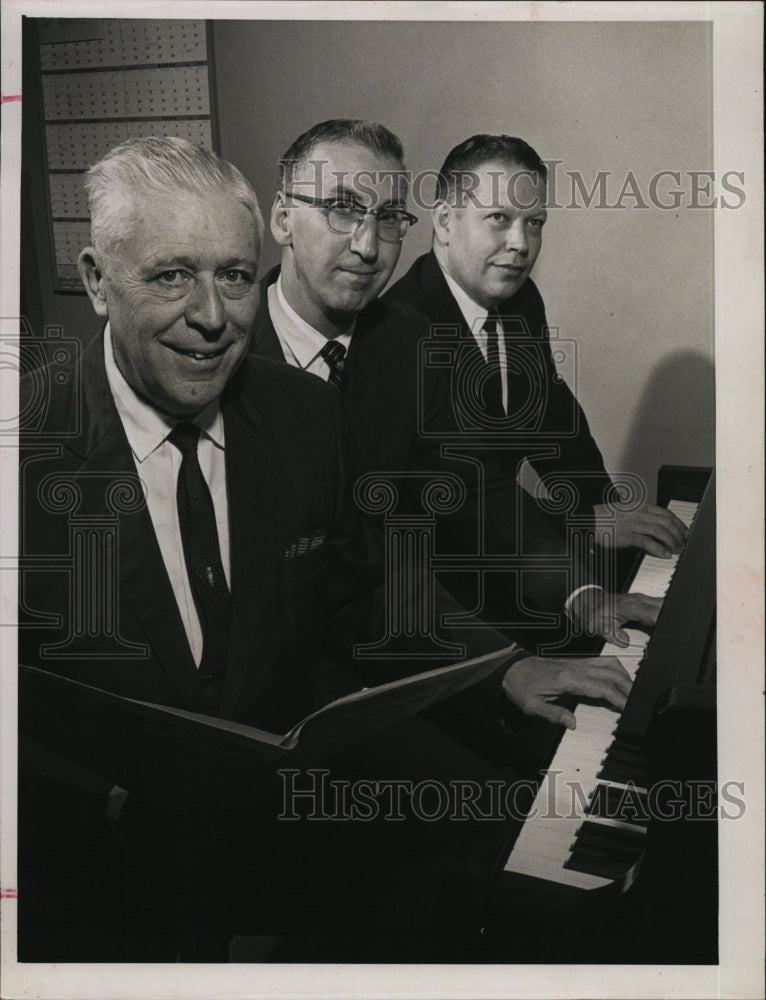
[516, 237]
[204, 307]
[365, 240]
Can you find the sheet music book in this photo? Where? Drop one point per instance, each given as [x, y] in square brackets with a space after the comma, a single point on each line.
[134, 742]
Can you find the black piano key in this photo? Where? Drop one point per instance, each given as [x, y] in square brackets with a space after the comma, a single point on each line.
[623, 773]
[618, 851]
[605, 851]
[627, 752]
[629, 805]
[620, 760]
[598, 864]
[614, 838]
[625, 761]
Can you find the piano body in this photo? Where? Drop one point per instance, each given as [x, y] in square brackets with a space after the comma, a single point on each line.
[617, 859]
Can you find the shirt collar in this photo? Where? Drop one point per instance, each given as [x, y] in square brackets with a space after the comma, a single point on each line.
[472, 311]
[303, 340]
[145, 427]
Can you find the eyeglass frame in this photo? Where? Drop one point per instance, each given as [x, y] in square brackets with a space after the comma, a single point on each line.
[327, 203]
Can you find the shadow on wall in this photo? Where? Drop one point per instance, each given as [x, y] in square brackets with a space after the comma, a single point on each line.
[675, 417]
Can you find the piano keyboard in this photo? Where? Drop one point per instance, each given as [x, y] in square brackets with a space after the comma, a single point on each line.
[564, 839]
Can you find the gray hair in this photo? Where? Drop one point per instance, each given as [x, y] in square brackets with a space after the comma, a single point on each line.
[161, 165]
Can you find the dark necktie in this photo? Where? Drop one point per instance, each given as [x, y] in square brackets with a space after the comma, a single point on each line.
[493, 385]
[202, 553]
[335, 356]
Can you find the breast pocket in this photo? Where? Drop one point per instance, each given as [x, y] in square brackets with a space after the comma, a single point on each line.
[304, 557]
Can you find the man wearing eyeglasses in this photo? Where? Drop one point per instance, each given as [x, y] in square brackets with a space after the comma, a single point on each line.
[340, 216]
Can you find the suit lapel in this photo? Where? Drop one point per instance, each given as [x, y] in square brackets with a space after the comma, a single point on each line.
[363, 371]
[265, 341]
[445, 308]
[142, 578]
[446, 311]
[254, 534]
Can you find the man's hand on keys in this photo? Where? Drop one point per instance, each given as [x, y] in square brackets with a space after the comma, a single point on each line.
[596, 612]
[654, 529]
[534, 683]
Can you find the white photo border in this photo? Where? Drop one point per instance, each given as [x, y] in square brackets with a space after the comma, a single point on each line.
[739, 323]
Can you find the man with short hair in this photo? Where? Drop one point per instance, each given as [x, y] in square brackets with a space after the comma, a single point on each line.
[487, 233]
[340, 216]
[176, 237]
[207, 485]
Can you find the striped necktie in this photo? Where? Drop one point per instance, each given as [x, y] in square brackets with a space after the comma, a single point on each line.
[334, 355]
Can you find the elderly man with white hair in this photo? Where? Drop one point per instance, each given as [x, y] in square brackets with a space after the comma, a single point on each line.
[221, 478]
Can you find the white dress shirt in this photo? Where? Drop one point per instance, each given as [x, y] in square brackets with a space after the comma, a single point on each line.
[157, 464]
[475, 317]
[301, 344]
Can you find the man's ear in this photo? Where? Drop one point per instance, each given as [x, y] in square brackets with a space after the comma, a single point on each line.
[280, 221]
[442, 216]
[93, 279]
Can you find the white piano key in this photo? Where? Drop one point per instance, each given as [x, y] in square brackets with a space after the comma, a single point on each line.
[622, 786]
[600, 728]
[592, 739]
[563, 803]
[529, 864]
[566, 823]
[573, 768]
[595, 715]
[550, 841]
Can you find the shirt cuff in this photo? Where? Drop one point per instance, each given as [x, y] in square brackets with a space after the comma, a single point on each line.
[568, 602]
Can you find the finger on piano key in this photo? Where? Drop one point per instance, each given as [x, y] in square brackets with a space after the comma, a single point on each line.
[684, 510]
[597, 715]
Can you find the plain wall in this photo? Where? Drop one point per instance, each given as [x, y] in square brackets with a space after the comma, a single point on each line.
[633, 288]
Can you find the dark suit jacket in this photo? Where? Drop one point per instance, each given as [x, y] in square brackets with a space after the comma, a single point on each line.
[381, 395]
[285, 481]
[97, 606]
[401, 414]
[549, 415]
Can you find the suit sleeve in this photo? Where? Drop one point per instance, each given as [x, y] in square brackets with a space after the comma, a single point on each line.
[579, 460]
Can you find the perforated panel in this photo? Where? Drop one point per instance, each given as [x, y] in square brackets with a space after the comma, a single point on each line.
[74, 146]
[104, 81]
[120, 43]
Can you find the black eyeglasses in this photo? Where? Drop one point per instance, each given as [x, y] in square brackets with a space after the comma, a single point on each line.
[345, 217]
